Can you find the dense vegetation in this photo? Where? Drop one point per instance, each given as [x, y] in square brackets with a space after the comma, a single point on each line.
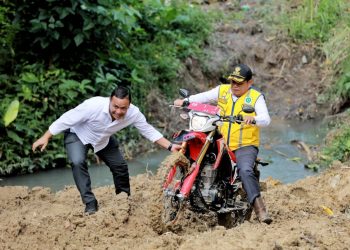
[54, 54]
[327, 23]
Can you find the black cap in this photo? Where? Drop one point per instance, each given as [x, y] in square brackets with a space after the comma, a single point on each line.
[241, 72]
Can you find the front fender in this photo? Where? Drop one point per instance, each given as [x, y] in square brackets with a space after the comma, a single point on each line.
[185, 135]
[195, 141]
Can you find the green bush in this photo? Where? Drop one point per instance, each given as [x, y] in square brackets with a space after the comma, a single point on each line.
[71, 35]
[43, 95]
[7, 34]
[337, 50]
[130, 41]
[342, 85]
[314, 19]
[166, 35]
[327, 24]
[339, 147]
[58, 53]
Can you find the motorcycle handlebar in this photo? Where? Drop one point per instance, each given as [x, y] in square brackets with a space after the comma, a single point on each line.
[234, 119]
[185, 103]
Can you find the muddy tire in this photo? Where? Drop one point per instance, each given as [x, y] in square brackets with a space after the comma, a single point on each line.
[176, 158]
[166, 205]
[170, 210]
[172, 205]
[170, 214]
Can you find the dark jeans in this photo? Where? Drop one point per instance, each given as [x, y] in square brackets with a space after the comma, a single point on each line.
[245, 159]
[77, 152]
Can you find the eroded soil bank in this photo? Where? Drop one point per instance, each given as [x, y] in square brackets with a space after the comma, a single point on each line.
[292, 76]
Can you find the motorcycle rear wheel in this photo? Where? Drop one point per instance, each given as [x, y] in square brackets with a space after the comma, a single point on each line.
[234, 218]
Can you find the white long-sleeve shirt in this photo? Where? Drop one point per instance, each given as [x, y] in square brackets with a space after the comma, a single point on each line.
[92, 123]
[262, 117]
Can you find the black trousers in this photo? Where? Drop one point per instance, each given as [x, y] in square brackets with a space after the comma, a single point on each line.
[77, 153]
[245, 159]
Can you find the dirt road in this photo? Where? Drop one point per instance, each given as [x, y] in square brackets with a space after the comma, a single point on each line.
[40, 219]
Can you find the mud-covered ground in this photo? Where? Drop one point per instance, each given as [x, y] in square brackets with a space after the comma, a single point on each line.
[313, 213]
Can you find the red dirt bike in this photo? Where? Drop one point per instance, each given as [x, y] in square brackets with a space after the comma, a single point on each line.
[208, 180]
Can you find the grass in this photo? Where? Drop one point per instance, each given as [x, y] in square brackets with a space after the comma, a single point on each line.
[327, 24]
[314, 20]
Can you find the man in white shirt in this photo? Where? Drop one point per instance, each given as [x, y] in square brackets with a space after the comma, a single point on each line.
[92, 125]
[243, 139]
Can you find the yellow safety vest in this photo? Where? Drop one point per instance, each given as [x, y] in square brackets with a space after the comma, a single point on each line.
[238, 135]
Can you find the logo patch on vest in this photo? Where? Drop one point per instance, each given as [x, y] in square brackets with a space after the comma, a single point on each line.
[248, 99]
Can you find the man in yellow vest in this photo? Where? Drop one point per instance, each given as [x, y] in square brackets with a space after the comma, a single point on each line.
[242, 138]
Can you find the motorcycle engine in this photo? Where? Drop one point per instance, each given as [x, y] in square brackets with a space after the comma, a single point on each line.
[208, 175]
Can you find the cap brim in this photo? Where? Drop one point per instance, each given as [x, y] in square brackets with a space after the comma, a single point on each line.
[236, 78]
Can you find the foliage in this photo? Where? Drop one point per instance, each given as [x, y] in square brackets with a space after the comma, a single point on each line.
[55, 54]
[337, 47]
[327, 23]
[130, 40]
[167, 34]
[314, 19]
[71, 34]
[339, 147]
[11, 113]
[43, 96]
[343, 84]
[7, 33]
[337, 50]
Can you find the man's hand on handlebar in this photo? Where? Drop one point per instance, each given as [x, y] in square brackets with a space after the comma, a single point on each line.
[249, 119]
[179, 102]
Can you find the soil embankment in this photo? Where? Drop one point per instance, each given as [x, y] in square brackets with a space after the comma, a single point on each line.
[39, 219]
[291, 76]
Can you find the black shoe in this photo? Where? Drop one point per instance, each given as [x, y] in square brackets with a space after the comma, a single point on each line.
[91, 207]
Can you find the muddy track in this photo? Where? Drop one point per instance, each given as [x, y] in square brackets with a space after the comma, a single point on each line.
[40, 219]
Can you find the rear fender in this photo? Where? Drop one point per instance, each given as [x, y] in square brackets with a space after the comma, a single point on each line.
[221, 148]
[232, 155]
[233, 164]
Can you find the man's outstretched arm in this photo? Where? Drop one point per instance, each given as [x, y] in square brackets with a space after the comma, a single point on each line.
[42, 141]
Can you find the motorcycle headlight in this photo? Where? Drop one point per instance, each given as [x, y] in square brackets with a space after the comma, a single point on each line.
[198, 122]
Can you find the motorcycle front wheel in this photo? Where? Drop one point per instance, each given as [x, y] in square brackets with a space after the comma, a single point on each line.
[172, 201]
[174, 169]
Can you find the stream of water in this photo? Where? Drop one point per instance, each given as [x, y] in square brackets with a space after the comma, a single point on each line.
[286, 161]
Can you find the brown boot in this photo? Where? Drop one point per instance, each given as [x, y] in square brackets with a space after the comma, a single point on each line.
[260, 211]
